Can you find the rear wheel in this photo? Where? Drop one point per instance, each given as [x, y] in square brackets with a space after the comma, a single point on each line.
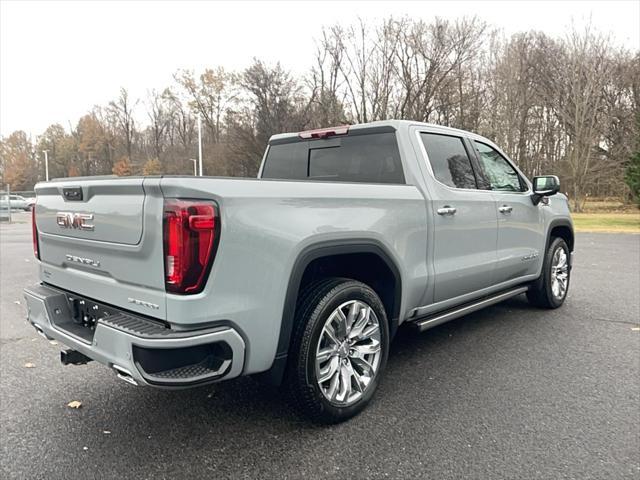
[339, 350]
[550, 290]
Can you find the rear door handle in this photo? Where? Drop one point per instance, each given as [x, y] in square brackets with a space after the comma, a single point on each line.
[446, 210]
[505, 209]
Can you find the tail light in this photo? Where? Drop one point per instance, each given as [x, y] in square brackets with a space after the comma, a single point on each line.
[34, 233]
[191, 230]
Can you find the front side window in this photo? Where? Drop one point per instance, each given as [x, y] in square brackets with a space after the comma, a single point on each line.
[449, 160]
[498, 171]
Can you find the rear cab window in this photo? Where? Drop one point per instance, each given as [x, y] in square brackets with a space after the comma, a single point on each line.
[363, 156]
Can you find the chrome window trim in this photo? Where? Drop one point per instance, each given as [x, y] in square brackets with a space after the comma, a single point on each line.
[419, 130]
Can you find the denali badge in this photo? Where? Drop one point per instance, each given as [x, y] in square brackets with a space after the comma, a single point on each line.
[84, 261]
[80, 221]
[143, 303]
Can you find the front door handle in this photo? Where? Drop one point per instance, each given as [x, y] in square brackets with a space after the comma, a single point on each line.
[447, 210]
[505, 209]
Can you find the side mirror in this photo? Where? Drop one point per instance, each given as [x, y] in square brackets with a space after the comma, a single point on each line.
[544, 186]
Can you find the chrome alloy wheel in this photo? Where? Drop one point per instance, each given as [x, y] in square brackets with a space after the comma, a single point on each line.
[559, 273]
[348, 353]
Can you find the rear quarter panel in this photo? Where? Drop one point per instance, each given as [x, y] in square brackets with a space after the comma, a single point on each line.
[265, 226]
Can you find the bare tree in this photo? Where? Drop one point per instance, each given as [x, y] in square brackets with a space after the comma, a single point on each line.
[327, 98]
[122, 110]
[159, 113]
[574, 83]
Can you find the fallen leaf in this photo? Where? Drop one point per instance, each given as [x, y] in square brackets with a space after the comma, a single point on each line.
[29, 365]
[74, 404]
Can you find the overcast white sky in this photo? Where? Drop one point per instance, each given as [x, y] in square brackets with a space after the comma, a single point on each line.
[58, 59]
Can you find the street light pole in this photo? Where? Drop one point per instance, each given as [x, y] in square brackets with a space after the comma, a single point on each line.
[46, 164]
[195, 173]
[200, 142]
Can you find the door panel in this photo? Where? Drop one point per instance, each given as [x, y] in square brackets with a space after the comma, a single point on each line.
[520, 222]
[464, 219]
[464, 243]
[520, 236]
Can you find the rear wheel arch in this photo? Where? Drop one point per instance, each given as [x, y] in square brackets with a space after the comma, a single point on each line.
[339, 258]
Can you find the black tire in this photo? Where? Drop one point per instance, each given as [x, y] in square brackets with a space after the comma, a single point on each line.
[315, 305]
[540, 292]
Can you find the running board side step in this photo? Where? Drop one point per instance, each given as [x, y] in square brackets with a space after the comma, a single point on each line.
[431, 321]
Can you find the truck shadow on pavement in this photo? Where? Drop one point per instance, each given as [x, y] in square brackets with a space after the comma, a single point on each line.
[247, 402]
[248, 405]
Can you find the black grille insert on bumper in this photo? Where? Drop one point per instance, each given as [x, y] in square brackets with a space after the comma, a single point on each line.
[183, 365]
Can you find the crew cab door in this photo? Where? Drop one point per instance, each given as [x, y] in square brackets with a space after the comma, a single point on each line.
[520, 246]
[464, 218]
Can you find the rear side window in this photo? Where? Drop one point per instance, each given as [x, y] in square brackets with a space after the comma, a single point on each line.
[449, 160]
[371, 158]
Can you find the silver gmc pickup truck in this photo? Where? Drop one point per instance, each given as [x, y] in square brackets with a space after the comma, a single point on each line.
[302, 276]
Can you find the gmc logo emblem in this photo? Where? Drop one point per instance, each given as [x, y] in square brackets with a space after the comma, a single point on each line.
[78, 221]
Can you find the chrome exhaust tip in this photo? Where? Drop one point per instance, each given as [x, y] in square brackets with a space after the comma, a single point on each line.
[41, 332]
[124, 374]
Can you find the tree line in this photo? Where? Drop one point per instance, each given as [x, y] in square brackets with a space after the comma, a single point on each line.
[567, 106]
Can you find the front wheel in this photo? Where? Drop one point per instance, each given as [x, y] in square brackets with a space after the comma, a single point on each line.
[550, 290]
[339, 350]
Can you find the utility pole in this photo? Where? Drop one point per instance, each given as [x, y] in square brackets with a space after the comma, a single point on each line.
[195, 173]
[200, 142]
[46, 165]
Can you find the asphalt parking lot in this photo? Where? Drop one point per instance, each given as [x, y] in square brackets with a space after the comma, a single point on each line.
[508, 392]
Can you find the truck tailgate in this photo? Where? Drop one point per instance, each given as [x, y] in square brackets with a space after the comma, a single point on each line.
[115, 209]
[102, 238]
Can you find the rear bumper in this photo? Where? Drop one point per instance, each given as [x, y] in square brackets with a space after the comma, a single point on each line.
[140, 351]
